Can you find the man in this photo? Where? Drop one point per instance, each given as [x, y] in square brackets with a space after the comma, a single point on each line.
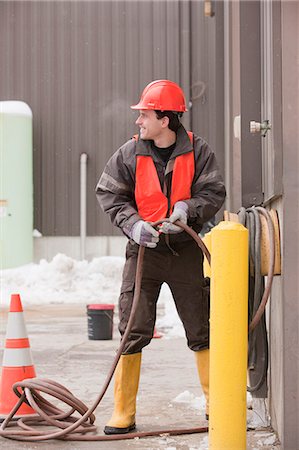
[163, 172]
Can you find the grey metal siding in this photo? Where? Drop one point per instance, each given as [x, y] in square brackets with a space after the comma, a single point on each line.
[79, 65]
[207, 76]
[290, 281]
[272, 99]
[250, 73]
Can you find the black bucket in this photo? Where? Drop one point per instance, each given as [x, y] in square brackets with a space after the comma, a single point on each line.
[100, 321]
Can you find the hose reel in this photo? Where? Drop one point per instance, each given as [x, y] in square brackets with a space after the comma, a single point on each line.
[264, 261]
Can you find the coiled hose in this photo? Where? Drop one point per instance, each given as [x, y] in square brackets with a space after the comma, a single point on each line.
[258, 296]
[72, 428]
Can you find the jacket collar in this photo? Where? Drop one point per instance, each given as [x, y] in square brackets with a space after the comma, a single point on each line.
[183, 145]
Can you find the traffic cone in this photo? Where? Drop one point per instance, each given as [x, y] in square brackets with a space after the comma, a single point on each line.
[17, 361]
[156, 334]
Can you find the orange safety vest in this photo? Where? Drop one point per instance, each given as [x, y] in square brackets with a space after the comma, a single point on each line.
[151, 202]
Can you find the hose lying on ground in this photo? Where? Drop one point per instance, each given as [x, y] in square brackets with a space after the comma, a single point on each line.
[70, 427]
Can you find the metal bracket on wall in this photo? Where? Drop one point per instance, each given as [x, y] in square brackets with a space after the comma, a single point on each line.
[262, 128]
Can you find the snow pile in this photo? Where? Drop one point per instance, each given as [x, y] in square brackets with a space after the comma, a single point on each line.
[65, 280]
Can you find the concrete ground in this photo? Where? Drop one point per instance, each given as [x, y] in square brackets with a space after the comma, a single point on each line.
[62, 352]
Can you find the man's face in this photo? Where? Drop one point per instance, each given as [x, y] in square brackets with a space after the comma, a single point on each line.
[150, 126]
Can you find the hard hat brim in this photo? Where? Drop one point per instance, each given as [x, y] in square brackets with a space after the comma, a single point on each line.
[142, 107]
[138, 106]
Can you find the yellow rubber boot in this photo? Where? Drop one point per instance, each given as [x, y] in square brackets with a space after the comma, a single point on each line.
[125, 392]
[203, 365]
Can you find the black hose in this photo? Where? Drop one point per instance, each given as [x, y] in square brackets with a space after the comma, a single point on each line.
[257, 338]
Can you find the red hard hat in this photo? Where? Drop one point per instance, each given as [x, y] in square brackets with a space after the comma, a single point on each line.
[162, 95]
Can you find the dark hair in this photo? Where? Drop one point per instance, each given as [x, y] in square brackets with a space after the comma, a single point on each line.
[174, 119]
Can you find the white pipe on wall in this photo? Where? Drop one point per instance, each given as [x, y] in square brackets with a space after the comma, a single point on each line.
[83, 171]
[227, 104]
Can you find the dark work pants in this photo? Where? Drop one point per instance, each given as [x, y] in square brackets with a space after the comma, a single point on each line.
[184, 276]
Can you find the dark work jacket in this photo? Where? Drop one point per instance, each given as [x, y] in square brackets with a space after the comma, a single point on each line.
[116, 186]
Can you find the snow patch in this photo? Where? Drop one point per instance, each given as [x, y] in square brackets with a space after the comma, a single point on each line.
[257, 416]
[170, 323]
[64, 280]
[36, 233]
[204, 444]
[268, 441]
[191, 401]
[249, 400]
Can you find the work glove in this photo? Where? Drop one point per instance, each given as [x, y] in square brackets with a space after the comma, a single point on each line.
[180, 212]
[144, 234]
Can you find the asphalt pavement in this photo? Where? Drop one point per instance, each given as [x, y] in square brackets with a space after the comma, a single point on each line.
[62, 352]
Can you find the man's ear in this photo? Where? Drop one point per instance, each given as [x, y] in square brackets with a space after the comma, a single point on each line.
[165, 121]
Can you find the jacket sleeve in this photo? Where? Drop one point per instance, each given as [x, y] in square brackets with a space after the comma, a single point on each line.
[115, 189]
[208, 191]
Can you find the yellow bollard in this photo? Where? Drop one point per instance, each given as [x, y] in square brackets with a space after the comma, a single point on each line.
[206, 266]
[228, 337]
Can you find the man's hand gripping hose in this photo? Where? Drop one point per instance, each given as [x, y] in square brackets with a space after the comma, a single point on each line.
[72, 428]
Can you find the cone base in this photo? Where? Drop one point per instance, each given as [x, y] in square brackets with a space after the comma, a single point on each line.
[8, 399]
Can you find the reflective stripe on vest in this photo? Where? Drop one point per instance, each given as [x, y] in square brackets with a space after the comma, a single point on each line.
[152, 204]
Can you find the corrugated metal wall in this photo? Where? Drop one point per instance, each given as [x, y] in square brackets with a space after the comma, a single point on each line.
[79, 65]
[207, 76]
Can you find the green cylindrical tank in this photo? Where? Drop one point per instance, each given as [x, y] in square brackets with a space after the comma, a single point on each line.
[16, 184]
